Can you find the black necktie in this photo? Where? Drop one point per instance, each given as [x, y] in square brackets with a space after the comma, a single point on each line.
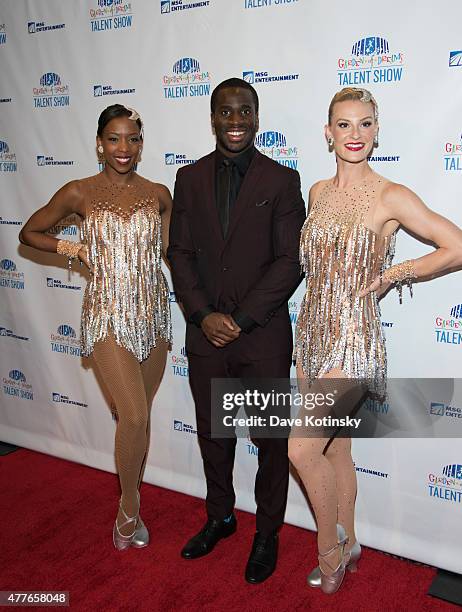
[225, 194]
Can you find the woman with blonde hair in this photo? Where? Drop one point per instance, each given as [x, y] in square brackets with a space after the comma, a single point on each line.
[346, 250]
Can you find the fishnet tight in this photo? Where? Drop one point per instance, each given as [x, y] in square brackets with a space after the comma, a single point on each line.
[326, 469]
[132, 386]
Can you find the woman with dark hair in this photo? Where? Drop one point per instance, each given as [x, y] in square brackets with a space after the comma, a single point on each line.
[346, 250]
[125, 321]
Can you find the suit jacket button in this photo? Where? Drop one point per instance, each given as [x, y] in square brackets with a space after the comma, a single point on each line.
[225, 269]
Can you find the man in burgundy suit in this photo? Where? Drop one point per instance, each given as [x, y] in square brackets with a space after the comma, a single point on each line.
[234, 239]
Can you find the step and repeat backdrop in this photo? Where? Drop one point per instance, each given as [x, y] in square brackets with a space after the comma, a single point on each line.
[63, 62]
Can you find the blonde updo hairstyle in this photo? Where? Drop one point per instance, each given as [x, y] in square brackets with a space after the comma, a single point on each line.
[353, 93]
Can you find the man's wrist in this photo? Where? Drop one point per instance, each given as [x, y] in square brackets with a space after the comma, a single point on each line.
[198, 316]
[246, 323]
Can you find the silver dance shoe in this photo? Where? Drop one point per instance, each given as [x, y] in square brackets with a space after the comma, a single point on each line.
[141, 535]
[121, 541]
[352, 557]
[330, 583]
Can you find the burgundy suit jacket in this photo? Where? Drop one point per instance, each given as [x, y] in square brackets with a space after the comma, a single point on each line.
[255, 268]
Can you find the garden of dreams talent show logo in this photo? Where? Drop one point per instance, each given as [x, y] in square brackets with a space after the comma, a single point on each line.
[66, 227]
[259, 3]
[16, 385]
[65, 341]
[180, 363]
[111, 15]
[34, 27]
[51, 92]
[452, 156]
[448, 331]
[170, 6]
[7, 158]
[187, 80]
[448, 486]
[2, 34]
[370, 62]
[274, 145]
[10, 277]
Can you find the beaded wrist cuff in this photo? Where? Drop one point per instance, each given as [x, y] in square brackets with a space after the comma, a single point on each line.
[402, 272]
[68, 248]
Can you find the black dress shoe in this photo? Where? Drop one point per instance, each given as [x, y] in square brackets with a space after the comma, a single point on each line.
[204, 542]
[263, 557]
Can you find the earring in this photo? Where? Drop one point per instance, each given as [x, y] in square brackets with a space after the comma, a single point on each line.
[330, 141]
[139, 155]
[376, 140]
[100, 149]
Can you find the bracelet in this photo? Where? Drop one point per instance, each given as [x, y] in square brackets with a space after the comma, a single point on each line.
[402, 272]
[70, 249]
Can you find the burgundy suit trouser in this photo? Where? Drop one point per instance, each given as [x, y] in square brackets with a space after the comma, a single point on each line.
[272, 478]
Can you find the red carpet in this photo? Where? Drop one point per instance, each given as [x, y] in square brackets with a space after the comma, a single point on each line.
[56, 535]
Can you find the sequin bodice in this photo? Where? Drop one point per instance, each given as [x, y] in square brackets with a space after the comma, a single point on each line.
[127, 292]
[341, 256]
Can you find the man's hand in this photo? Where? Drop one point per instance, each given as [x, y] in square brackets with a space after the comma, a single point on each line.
[220, 329]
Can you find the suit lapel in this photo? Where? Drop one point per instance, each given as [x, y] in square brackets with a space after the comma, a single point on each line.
[245, 193]
[209, 198]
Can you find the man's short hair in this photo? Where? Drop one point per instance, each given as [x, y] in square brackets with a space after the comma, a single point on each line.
[233, 82]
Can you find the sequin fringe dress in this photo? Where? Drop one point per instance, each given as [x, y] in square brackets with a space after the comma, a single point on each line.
[127, 292]
[341, 256]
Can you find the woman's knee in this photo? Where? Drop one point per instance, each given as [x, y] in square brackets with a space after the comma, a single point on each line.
[303, 452]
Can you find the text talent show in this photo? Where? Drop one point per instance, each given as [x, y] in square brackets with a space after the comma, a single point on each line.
[163, 294]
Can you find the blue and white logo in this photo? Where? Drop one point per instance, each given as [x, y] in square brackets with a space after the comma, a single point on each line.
[16, 385]
[8, 333]
[49, 160]
[172, 6]
[187, 80]
[65, 341]
[34, 27]
[111, 15]
[444, 410]
[446, 486]
[177, 159]
[456, 311]
[263, 76]
[55, 283]
[184, 427]
[8, 161]
[59, 398]
[52, 92]
[10, 276]
[370, 62]
[455, 58]
[2, 34]
[274, 145]
[109, 90]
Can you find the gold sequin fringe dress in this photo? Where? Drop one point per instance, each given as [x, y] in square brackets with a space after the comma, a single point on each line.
[340, 255]
[127, 293]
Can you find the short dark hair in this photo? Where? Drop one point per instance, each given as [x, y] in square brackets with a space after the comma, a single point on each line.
[233, 82]
[112, 112]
